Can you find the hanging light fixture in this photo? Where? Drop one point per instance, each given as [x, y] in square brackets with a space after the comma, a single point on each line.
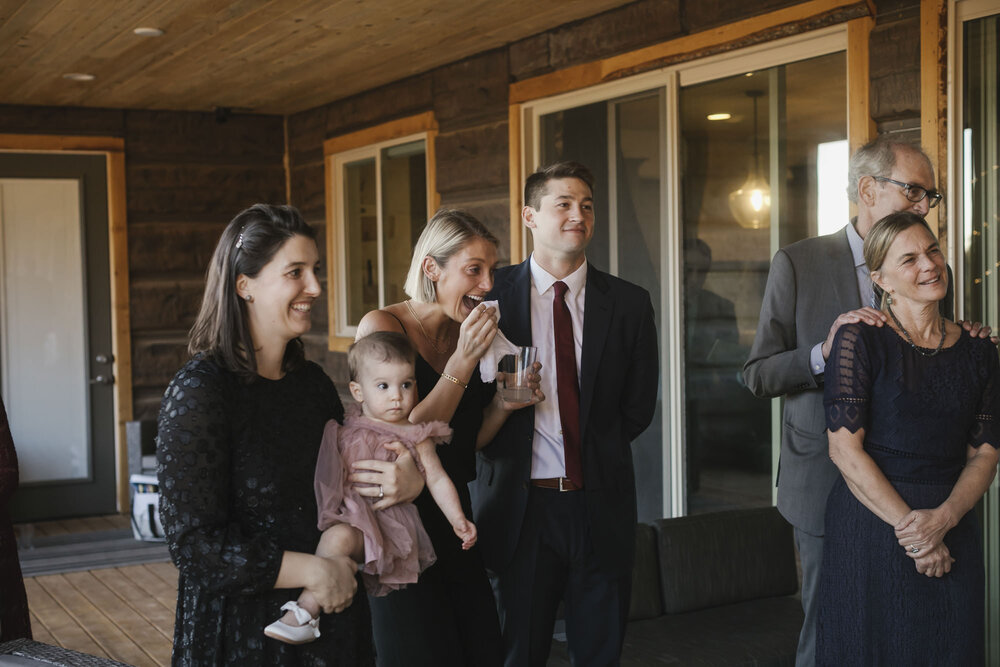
[750, 204]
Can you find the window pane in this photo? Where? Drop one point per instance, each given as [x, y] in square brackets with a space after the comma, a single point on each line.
[729, 187]
[637, 205]
[981, 155]
[581, 135]
[361, 239]
[630, 223]
[404, 211]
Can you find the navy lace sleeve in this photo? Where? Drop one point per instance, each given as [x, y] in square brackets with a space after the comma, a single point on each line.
[985, 428]
[195, 452]
[848, 380]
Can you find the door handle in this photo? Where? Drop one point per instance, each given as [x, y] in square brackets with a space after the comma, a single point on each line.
[103, 379]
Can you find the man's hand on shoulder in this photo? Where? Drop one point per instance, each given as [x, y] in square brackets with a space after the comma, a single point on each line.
[978, 330]
[868, 315]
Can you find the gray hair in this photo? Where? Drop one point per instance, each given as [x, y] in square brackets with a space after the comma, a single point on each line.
[877, 158]
[445, 234]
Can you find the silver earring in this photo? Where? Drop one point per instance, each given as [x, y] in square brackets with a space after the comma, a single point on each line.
[888, 299]
[249, 298]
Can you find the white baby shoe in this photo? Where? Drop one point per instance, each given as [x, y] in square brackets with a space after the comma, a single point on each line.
[307, 630]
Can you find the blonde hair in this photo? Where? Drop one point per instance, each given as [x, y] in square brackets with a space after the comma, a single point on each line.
[881, 236]
[445, 234]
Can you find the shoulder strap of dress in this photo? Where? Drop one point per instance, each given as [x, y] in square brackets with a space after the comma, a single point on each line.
[396, 317]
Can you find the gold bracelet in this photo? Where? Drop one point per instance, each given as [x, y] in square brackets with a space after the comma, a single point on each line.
[452, 378]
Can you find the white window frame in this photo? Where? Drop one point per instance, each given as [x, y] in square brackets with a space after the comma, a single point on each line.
[338, 152]
[778, 52]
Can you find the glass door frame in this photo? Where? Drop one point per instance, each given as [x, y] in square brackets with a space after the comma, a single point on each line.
[960, 12]
[671, 79]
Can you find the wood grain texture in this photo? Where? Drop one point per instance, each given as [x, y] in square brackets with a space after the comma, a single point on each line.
[125, 613]
[271, 57]
[933, 102]
[737, 34]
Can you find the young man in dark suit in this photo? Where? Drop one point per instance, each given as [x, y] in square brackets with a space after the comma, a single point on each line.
[554, 497]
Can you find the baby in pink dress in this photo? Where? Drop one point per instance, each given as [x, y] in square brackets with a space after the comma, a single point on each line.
[390, 545]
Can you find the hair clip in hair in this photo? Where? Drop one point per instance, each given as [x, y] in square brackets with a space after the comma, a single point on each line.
[239, 240]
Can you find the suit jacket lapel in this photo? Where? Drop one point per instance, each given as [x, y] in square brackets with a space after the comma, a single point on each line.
[515, 305]
[843, 276]
[597, 309]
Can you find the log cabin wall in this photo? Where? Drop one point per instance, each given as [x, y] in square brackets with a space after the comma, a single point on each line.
[187, 174]
[895, 69]
[470, 101]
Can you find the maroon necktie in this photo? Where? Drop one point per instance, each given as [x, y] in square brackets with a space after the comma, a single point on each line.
[566, 383]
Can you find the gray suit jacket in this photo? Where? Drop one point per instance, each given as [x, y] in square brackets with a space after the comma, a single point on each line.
[810, 284]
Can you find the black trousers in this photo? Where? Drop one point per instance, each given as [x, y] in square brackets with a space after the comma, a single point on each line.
[555, 562]
[449, 617]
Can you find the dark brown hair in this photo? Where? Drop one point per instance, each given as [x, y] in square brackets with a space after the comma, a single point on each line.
[248, 243]
[380, 346]
[536, 186]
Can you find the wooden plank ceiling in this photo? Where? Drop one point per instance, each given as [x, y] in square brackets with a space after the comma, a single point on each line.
[278, 56]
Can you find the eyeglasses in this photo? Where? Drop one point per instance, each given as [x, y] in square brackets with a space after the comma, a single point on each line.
[913, 192]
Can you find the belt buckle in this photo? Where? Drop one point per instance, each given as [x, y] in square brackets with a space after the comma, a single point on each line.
[561, 489]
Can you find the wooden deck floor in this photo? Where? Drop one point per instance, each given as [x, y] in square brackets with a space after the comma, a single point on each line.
[124, 613]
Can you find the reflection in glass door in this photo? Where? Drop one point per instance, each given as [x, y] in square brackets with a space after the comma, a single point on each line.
[753, 149]
[626, 162]
[979, 252]
[669, 218]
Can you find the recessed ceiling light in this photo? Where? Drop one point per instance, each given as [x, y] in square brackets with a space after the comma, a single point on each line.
[79, 76]
[719, 116]
[148, 32]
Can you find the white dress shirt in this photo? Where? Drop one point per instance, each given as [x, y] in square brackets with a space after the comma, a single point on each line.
[547, 457]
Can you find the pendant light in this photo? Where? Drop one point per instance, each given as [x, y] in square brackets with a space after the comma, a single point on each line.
[750, 204]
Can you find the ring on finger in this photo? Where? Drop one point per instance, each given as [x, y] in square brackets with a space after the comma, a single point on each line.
[381, 492]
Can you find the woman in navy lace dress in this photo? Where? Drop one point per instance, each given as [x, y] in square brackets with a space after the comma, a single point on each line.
[912, 411]
[239, 432]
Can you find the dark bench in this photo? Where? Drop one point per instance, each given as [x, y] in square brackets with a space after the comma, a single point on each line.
[25, 653]
[712, 589]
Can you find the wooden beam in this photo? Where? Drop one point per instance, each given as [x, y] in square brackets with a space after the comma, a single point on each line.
[934, 101]
[39, 143]
[860, 125]
[334, 342]
[393, 129]
[790, 20]
[121, 335]
[516, 180]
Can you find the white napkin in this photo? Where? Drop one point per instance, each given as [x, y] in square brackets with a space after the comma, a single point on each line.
[499, 348]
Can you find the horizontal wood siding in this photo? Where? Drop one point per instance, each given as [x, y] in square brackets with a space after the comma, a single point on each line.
[186, 175]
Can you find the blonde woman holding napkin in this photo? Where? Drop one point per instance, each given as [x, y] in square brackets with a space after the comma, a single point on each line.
[449, 617]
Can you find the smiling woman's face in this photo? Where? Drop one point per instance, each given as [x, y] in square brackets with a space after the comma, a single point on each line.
[914, 267]
[465, 278]
[283, 292]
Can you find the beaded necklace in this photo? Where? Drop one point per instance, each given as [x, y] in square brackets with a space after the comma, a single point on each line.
[906, 334]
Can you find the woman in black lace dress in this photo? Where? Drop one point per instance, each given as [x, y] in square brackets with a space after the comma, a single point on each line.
[239, 431]
[912, 410]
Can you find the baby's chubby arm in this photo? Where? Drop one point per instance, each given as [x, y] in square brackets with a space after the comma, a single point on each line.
[444, 493]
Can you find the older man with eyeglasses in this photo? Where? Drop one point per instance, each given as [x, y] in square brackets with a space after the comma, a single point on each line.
[814, 287]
